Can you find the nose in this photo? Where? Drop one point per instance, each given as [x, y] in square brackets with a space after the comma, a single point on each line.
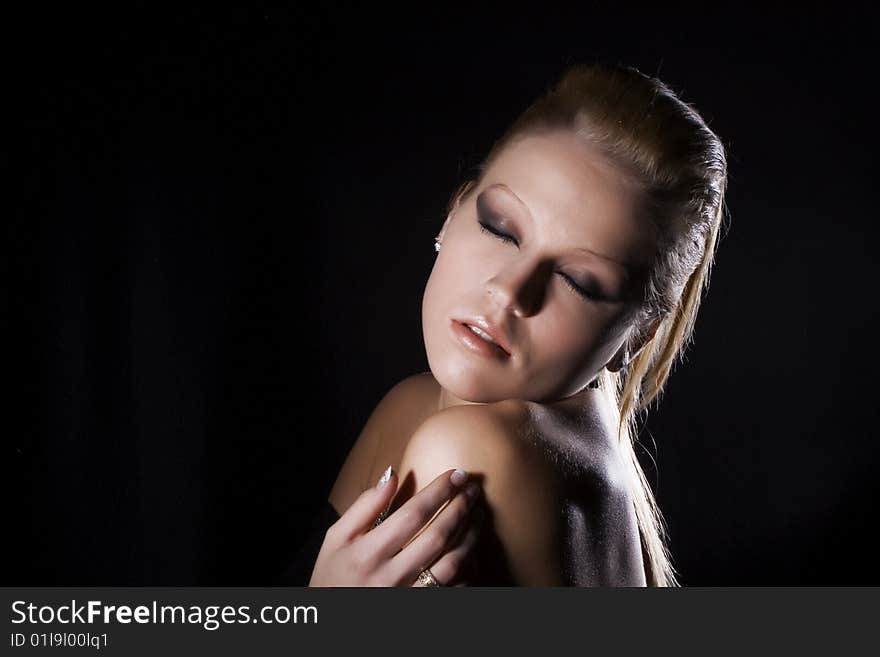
[520, 287]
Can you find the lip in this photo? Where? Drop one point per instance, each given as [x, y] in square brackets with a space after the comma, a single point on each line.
[495, 332]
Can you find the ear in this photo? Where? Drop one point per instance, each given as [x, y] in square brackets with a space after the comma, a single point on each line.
[621, 358]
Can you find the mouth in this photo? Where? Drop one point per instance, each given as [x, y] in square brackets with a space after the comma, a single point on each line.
[477, 340]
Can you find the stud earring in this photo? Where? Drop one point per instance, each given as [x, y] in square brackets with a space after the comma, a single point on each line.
[436, 244]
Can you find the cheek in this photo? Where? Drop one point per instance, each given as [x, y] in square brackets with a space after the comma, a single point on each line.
[443, 288]
[443, 284]
[571, 341]
[458, 275]
[455, 286]
[565, 337]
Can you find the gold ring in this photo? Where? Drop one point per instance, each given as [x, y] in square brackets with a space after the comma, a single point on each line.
[426, 578]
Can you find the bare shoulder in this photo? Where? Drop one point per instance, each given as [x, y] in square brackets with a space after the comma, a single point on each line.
[399, 410]
[478, 435]
[520, 487]
[558, 495]
[414, 384]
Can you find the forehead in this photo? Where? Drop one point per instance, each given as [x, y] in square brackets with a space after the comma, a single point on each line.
[574, 195]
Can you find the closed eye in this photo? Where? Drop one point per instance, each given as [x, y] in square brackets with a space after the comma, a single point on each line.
[574, 287]
[577, 289]
[495, 233]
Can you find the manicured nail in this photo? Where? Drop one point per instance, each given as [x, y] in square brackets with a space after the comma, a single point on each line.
[458, 477]
[385, 477]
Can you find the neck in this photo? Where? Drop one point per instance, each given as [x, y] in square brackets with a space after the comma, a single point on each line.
[446, 399]
[576, 402]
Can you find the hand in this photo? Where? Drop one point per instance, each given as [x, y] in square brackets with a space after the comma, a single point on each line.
[354, 553]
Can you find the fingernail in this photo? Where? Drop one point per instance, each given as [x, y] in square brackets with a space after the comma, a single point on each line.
[384, 479]
[458, 477]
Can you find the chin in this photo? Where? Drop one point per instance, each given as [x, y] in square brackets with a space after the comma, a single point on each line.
[467, 382]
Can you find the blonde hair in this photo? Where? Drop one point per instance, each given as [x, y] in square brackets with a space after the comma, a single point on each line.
[642, 127]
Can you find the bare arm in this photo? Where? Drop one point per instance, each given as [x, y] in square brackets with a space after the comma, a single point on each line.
[356, 553]
[519, 489]
[352, 478]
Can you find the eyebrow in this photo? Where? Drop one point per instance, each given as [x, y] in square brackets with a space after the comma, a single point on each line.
[631, 268]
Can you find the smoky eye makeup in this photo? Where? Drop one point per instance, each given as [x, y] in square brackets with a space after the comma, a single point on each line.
[490, 212]
[587, 291]
[491, 221]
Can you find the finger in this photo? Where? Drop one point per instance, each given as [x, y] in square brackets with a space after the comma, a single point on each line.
[449, 568]
[430, 544]
[363, 512]
[400, 527]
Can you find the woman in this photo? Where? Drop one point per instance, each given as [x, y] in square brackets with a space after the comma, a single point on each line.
[567, 282]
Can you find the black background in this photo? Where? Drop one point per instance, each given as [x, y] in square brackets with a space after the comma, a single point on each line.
[219, 229]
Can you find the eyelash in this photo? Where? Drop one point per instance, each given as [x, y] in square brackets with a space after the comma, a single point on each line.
[568, 281]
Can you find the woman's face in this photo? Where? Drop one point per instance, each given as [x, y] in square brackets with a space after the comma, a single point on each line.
[565, 218]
